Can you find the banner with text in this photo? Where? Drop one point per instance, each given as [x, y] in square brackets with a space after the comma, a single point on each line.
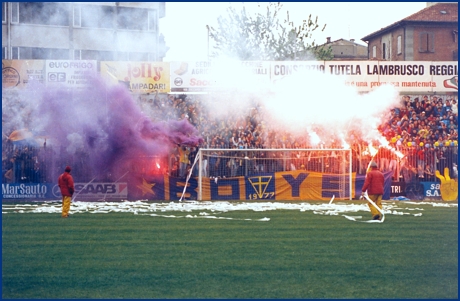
[293, 185]
[16, 74]
[83, 191]
[367, 76]
[364, 76]
[32, 191]
[296, 185]
[204, 76]
[70, 74]
[139, 77]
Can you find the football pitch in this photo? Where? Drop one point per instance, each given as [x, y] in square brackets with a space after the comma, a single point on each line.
[232, 250]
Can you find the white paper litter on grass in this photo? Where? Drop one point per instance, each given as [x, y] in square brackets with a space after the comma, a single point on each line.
[216, 210]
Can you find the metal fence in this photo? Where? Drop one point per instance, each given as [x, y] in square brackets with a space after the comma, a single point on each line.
[29, 164]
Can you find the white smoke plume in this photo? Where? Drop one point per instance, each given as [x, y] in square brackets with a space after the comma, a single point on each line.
[311, 103]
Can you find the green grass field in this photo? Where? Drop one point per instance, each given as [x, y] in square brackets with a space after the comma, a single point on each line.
[293, 255]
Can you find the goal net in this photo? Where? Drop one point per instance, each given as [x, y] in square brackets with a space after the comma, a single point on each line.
[278, 174]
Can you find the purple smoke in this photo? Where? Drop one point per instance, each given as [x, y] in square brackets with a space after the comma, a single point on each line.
[103, 125]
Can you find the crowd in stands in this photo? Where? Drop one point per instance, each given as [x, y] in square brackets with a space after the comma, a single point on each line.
[422, 119]
[423, 128]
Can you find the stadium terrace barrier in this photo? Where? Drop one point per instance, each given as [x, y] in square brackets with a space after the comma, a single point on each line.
[413, 176]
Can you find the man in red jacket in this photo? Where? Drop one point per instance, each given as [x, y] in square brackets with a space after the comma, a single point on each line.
[65, 182]
[374, 184]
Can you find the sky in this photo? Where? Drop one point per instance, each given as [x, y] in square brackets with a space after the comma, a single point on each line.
[185, 32]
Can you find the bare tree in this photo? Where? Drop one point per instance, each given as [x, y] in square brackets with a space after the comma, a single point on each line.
[265, 37]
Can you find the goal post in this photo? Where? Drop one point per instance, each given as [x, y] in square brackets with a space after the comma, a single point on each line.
[333, 166]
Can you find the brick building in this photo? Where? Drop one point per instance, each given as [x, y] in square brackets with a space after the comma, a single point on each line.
[430, 34]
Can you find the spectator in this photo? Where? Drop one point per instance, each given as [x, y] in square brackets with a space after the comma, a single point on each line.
[454, 107]
[446, 108]
[183, 160]
[418, 106]
[428, 174]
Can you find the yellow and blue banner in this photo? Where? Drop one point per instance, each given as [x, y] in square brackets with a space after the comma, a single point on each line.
[292, 185]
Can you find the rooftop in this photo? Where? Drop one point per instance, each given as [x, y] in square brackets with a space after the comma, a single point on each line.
[439, 12]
